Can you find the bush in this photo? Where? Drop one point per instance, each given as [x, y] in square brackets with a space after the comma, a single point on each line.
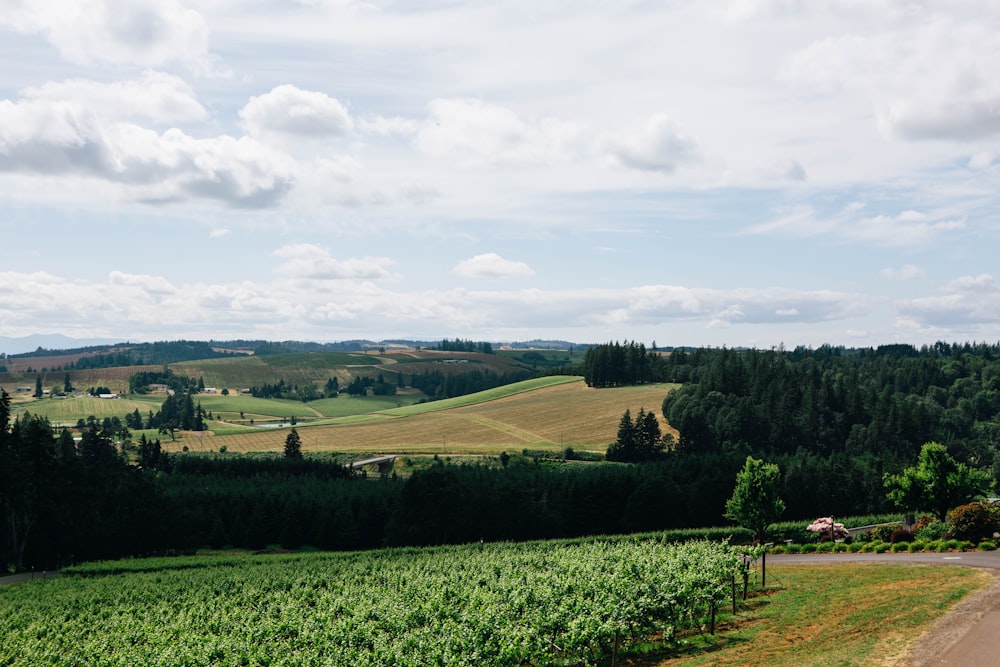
[793, 549]
[864, 537]
[825, 547]
[898, 547]
[881, 547]
[809, 548]
[884, 533]
[841, 547]
[868, 548]
[855, 547]
[900, 535]
[931, 530]
[974, 522]
[987, 545]
[916, 546]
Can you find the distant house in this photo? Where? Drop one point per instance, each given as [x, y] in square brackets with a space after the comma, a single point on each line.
[25, 390]
[209, 390]
[107, 396]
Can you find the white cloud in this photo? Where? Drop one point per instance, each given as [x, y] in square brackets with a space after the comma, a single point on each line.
[303, 307]
[981, 284]
[389, 126]
[927, 76]
[311, 262]
[144, 33]
[906, 272]
[659, 146]
[968, 301]
[58, 138]
[981, 160]
[155, 96]
[491, 265]
[479, 133]
[152, 285]
[293, 112]
[908, 228]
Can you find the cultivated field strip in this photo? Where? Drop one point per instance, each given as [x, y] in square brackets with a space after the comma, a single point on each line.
[563, 415]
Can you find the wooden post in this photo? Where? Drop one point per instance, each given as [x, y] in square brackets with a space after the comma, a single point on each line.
[734, 594]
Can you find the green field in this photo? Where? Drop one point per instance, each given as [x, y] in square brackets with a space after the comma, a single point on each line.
[68, 410]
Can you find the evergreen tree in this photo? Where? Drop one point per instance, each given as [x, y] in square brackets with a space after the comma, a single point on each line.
[293, 445]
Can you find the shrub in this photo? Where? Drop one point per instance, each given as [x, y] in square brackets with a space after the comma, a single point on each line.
[966, 545]
[868, 547]
[841, 547]
[825, 547]
[898, 547]
[900, 535]
[931, 530]
[916, 546]
[987, 545]
[974, 521]
[884, 533]
[793, 549]
[864, 537]
[809, 548]
[827, 529]
[881, 547]
[778, 549]
[855, 547]
[940, 546]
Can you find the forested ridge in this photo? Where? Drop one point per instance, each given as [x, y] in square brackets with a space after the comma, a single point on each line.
[834, 420]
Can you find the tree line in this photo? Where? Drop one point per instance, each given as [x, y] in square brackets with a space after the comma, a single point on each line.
[437, 385]
[459, 345]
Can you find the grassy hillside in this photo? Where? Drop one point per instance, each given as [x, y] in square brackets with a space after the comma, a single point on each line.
[241, 372]
[550, 413]
[66, 411]
[295, 368]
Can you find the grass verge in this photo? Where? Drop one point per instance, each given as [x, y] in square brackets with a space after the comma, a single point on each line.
[833, 614]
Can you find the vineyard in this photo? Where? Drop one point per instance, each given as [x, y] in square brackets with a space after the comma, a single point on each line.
[577, 603]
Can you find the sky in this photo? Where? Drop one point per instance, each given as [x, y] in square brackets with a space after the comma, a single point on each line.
[724, 172]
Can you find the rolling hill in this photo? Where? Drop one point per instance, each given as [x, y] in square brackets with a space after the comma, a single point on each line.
[553, 413]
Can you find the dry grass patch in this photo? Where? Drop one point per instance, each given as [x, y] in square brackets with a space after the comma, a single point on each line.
[554, 417]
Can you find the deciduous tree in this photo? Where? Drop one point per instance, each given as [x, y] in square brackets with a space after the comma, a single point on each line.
[755, 504]
[937, 483]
